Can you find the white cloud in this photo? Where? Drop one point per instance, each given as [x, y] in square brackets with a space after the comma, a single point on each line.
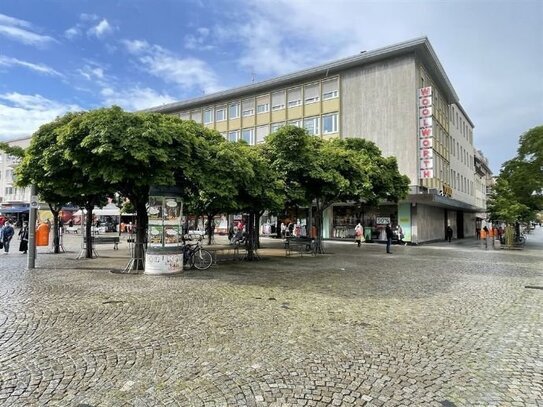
[189, 73]
[135, 98]
[72, 32]
[10, 62]
[101, 30]
[22, 31]
[92, 72]
[199, 41]
[21, 115]
[136, 46]
[7, 20]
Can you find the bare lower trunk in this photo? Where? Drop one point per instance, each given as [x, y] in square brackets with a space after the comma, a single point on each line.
[141, 230]
[56, 234]
[210, 228]
[319, 224]
[88, 232]
[251, 237]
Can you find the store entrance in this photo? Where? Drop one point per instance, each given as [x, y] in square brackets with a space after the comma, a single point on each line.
[460, 224]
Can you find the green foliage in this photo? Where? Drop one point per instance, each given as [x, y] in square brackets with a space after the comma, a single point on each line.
[518, 193]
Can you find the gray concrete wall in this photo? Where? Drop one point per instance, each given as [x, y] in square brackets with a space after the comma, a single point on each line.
[469, 224]
[379, 103]
[430, 222]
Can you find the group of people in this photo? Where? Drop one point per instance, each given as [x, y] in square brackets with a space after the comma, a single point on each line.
[389, 233]
[6, 235]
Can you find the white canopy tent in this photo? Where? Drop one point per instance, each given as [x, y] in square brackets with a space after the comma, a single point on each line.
[108, 210]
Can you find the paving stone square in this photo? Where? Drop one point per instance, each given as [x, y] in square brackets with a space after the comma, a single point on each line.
[434, 325]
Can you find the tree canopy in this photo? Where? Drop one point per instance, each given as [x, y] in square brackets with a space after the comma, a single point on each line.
[518, 193]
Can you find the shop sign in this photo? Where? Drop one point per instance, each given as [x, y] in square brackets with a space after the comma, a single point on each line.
[426, 154]
[382, 220]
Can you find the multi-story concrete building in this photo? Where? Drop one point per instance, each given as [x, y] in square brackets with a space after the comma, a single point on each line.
[12, 198]
[398, 97]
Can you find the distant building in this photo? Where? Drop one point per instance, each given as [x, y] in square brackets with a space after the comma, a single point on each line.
[14, 201]
[484, 181]
[398, 97]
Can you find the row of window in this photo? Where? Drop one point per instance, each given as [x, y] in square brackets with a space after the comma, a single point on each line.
[292, 97]
[461, 183]
[326, 124]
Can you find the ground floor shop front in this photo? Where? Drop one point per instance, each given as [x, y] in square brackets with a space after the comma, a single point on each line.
[415, 221]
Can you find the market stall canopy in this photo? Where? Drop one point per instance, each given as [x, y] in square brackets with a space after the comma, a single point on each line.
[108, 210]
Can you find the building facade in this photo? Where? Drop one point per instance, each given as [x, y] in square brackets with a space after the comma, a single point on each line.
[398, 97]
[14, 200]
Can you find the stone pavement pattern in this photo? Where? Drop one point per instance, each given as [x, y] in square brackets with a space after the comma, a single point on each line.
[436, 325]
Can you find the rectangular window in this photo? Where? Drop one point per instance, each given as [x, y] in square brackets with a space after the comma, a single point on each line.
[330, 89]
[184, 115]
[263, 104]
[278, 100]
[233, 136]
[208, 115]
[247, 135]
[297, 123]
[233, 110]
[9, 190]
[248, 107]
[311, 124]
[220, 113]
[329, 123]
[276, 126]
[311, 93]
[294, 97]
[261, 133]
[196, 115]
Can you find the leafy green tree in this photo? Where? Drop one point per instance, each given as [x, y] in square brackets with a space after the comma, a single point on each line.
[263, 191]
[518, 193]
[57, 179]
[223, 172]
[132, 151]
[321, 173]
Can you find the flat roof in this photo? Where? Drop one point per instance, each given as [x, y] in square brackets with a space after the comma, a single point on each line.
[420, 46]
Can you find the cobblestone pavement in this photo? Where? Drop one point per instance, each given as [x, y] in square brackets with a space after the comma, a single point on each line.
[435, 325]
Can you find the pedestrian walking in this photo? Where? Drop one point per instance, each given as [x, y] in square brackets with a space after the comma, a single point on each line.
[7, 234]
[484, 237]
[449, 233]
[23, 237]
[389, 234]
[358, 234]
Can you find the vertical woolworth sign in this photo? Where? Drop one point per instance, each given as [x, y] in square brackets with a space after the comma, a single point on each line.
[426, 137]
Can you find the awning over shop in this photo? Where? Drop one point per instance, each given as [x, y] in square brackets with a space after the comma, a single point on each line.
[442, 202]
[14, 209]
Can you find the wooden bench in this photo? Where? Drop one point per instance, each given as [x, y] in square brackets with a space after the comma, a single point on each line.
[299, 245]
[104, 240]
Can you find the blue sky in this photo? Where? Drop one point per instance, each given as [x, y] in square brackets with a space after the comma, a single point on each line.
[61, 55]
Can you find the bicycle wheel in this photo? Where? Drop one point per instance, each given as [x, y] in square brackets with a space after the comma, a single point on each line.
[202, 259]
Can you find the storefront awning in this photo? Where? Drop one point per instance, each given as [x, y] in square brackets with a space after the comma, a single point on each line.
[442, 202]
[15, 209]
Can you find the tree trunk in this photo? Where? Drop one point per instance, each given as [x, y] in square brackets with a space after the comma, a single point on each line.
[142, 221]
[210, 227]
[251, 237]
[257, 223]
[88, 231]
[56, 234]
[319, 214]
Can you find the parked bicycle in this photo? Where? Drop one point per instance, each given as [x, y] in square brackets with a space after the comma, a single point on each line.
[196, 256]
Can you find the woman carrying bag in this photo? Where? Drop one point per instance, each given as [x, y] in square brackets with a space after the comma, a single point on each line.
[359, 234]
